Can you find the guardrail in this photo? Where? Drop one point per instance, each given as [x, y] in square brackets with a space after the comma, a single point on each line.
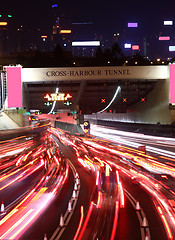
[149, 129]
[69, 127]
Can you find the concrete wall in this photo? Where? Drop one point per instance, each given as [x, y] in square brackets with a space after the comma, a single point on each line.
[155, 110]
[18, 118]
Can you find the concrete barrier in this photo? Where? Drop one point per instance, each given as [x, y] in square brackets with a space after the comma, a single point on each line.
[69, 127]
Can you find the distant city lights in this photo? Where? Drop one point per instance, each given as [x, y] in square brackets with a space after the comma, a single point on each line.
[127, 45]
[82, 23]
[133, 25]
[65, 31]
[171, 48]
[54, 5]
[168, 23]
[135, 47]
[44, 38]
[129, 38]
[9, 15]
[86, 43]
[3, 23]
[165, 38]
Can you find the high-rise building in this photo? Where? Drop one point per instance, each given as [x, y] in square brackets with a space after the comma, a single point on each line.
[56, 14]
[3, 38]
[29, 40]
[4, 33]
[84, 36]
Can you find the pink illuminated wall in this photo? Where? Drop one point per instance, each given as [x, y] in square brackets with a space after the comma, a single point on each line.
[14, 87]
[172, 83]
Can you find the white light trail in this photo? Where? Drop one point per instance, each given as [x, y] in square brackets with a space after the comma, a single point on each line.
[115, 95]
[53, 106]
[111, 134]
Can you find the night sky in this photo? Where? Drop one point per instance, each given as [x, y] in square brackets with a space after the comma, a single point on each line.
[110, 15]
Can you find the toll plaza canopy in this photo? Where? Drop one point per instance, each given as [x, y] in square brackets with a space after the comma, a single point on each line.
[92, 88]
[117, 89]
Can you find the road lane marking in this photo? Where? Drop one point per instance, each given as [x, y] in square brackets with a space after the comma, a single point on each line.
[140, 214]
[67, 216]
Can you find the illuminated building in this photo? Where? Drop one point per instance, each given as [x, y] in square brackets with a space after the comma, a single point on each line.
[4, 33]
[55, 22]
[61, 31]
[85, 48]
[168, 23]
[84, 39]
[135, 47]
[172, 48]
[3, 37]
[133, 25]
[58, 37]
[29, 40]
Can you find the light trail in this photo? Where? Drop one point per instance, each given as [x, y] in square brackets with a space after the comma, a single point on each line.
[80, 223]
[5, 235]
[122, 198]
[114, 228]
[54, 103]
[115, 95]
[22, 175]
[86, 220]
[99, 200]
[112, 135]
[168, 230]
[38, 202]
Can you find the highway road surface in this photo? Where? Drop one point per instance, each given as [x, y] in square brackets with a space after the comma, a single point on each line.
[57, 186]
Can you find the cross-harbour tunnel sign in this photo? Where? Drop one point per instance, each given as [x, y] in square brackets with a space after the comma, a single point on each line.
[94, 73]
[82, 73]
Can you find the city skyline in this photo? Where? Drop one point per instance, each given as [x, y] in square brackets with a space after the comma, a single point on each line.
[108, 23]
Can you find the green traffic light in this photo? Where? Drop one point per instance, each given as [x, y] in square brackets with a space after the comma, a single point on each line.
[48, 103]
[67, 103]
